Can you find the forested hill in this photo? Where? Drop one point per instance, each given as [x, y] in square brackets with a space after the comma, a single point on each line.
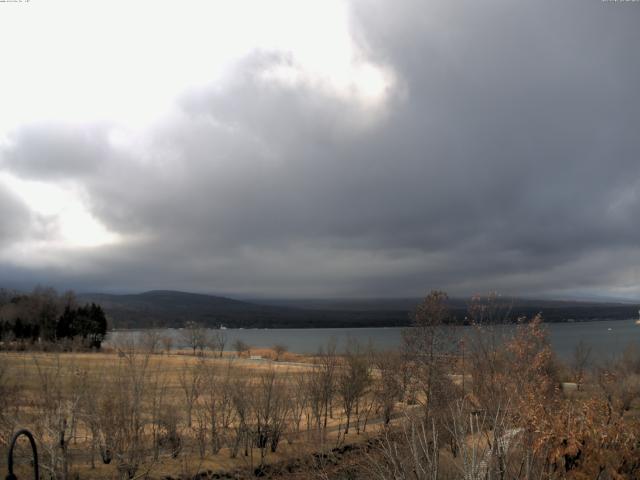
[163, 308]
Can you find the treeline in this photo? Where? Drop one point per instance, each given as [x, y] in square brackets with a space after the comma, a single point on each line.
[43, 316]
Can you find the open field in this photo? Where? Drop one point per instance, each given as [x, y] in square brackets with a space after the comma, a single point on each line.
[178, 414]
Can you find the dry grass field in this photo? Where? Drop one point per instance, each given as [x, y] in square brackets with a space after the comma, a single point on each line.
[174, 415]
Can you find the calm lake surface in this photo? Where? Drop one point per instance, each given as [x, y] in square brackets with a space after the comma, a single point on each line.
[606, 338]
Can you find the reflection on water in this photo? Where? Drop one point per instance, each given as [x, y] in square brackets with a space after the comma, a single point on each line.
[607, 338]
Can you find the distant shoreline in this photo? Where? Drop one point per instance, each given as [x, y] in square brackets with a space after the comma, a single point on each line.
[362, 327]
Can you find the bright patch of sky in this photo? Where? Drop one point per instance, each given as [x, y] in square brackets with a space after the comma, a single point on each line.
[125, 63]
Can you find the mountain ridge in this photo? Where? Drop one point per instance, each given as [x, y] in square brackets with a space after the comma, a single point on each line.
[173, 308]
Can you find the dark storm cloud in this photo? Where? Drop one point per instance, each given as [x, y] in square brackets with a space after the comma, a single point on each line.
[507, 157]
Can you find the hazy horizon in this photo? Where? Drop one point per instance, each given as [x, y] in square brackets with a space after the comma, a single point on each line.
[371, 298]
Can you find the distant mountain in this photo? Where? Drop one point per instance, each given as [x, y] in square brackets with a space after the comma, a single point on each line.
[344, 304]
[552, 310]
[166, 308]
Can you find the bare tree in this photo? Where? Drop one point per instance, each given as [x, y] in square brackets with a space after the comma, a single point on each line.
[388, 387]
[488, 361]
[195, 336]
[427, 342]
[191, 379]
[124, 414]
[90, 416]
[59, 403]
[158, 403]
[10, 390]
[270, 409]
[299, 399]
[580, 362]
[353, 379]
[413, 454]
[68, 299]
[167, 343]
[488, 449]
[241, 347]
[217, 341]
[240, 395]
[200, 429]
[323, 383]
[151, 340]
[279, 349]
[316, 396]
[168, 434]
[44, 308]
[217, 404]
[619, 380]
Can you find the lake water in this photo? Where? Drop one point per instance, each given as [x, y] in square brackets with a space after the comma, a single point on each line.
[606, 338]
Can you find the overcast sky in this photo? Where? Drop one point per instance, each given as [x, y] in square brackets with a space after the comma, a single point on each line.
[321, 148]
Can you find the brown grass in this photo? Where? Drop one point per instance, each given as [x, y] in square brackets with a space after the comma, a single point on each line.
[24, 371]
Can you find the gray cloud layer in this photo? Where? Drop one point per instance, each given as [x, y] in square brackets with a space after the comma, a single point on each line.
[14, 218]
[508, 157]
